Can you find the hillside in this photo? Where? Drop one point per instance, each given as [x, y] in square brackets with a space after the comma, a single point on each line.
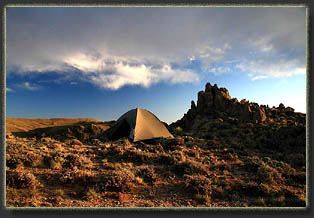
[26, 124]
[225, 153]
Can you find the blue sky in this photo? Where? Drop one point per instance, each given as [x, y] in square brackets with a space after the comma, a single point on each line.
[102, 62]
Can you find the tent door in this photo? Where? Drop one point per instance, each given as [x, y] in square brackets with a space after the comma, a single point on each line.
[123, 130]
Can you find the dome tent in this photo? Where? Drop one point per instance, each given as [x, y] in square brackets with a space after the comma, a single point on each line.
[138, 124]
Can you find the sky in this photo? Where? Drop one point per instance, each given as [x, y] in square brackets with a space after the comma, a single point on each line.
[100, 62]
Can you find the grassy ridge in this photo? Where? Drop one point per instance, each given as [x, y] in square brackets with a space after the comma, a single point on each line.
[27, 124]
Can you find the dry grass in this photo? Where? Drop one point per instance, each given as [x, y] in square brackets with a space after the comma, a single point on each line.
[186, 171]
[26, 124]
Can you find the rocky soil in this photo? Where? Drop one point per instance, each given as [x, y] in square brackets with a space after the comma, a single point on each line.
[225, 154]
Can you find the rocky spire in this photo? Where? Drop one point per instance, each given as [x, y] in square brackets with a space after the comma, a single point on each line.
[215, 102]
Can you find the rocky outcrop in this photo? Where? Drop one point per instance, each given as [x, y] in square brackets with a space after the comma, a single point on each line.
[214, 103]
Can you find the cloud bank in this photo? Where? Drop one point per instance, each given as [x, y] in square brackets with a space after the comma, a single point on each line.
[114, 47]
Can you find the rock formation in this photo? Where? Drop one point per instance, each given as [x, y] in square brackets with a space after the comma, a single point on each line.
[214, 103]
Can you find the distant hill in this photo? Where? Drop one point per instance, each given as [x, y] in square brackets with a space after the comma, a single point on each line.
[27, 124]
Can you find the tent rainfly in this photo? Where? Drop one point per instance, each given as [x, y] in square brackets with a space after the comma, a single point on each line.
[138, 124]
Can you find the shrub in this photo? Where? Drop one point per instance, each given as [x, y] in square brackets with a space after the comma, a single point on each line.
[281, 167]
[20, 179]
[71, 177]
[189, 167]
[250, 189]
[56, 146]
[60, 192]
[203, 199]
[197, 184]
[53, 161]
[218, 192]
[75, 160]
[279, 201]
[165, 159]
[253, 163]
[261, 202]
[138, 157]
[265, 189]
[148, 174]
[115, 181]
[269, 190]
[269, 175]
[47, 140]
[92, 194]
[12, 161]
[32, 159]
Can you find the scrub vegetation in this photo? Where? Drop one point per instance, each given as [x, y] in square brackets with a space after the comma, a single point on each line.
[182, 172]
[254, 157]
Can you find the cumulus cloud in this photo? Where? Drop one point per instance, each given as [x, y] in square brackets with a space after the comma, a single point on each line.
[123, 74]
[29, 86]
[114, 73]
[112, 47]
[85, 62]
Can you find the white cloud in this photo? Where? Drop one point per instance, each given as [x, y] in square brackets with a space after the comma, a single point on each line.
[219, 70]
[192, 58]
[214, 53]
[125, 74]
[167, 73]
[9, 89]
[111, 71]
[29, 86]
[85, 62]
[262, 68]
[259, 77]
[121, 75]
